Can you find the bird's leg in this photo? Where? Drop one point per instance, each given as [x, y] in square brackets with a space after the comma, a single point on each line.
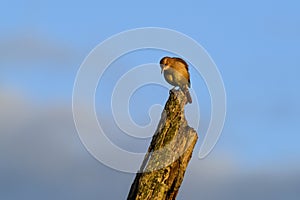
[175, 88]
[174, 91]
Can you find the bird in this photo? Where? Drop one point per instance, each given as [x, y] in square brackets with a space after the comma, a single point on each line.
[176, 72]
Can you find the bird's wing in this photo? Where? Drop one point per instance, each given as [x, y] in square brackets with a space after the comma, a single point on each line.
[183, 62]
[184, 69]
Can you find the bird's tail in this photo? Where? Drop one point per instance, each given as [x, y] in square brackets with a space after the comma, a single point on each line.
[187, 94]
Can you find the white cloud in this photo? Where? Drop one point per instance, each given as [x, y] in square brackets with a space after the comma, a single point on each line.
[44, 152]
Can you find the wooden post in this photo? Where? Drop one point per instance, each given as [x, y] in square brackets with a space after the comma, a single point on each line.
[171, 148]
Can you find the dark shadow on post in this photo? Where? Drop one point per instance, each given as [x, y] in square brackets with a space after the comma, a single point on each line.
[171, 148]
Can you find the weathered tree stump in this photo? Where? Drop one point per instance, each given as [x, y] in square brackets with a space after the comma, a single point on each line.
[171, 148]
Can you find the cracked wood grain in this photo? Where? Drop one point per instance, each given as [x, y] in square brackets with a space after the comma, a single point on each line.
[168, 155]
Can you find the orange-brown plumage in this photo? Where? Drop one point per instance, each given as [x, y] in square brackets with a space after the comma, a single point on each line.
[176, 72]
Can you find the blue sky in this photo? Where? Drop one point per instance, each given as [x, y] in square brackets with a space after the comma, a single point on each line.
[255, 45]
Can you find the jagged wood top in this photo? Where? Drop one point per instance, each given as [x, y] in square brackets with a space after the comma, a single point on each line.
[171, 148]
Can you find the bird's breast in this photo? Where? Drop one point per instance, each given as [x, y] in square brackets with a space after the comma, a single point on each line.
[175, 77]
[170, 77]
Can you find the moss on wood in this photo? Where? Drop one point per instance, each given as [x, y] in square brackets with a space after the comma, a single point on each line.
[171, 148]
